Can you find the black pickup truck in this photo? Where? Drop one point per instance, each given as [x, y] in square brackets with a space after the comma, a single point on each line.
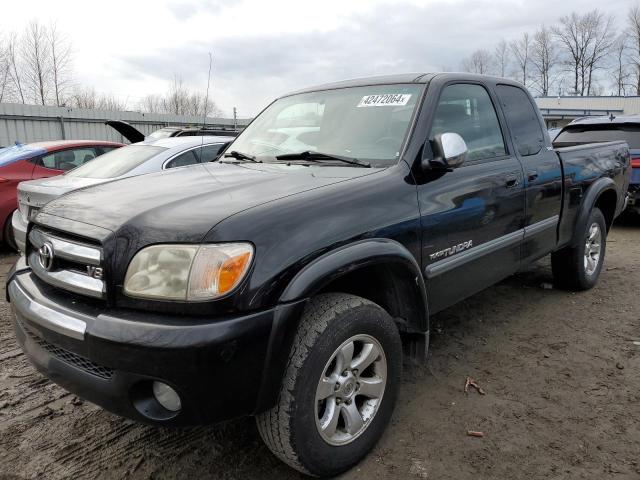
[288, 279]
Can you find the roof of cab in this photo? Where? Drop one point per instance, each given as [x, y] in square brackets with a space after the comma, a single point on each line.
[418, 78]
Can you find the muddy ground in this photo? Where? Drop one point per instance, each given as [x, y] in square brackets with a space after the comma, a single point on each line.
[560, 370]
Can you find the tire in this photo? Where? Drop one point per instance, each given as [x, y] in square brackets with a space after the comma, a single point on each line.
[7, 234]
[292, 428]
[570, 266]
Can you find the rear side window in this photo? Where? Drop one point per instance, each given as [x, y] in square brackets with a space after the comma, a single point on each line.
[467, 110]
[184, 159]
[579, 134]
[209, 153]
[523, 119]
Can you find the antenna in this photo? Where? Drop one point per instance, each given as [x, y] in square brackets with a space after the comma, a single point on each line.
[206, 98]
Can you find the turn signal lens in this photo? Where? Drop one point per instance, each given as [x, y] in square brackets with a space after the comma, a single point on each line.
[218, 269]
[232, 271]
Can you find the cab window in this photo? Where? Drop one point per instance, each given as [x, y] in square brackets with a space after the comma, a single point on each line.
[523, 119]
[467, 110]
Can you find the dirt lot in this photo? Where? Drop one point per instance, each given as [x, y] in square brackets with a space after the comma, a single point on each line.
[560, 370]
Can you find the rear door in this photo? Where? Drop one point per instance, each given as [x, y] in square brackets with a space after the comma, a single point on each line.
[472, 217]
[542, 171]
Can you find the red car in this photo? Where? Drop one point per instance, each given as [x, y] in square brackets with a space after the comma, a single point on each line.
[38, 160]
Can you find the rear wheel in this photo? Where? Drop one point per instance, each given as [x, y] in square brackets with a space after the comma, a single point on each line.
[578, 268]
[339, 388]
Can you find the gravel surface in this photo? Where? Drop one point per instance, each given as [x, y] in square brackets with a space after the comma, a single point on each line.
[560, 371]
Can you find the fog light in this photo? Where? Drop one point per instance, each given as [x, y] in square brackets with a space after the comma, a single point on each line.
[166, 396]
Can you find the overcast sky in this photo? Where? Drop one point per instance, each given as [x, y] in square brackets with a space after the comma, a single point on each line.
[263, 49]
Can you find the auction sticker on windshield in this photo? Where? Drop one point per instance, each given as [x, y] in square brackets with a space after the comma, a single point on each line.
[385, 100]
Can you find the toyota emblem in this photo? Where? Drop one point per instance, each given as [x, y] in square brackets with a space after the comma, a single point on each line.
[45, 255]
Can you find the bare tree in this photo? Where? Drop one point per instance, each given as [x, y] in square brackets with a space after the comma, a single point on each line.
[180, 101]
[15, 68]
[521, 50]
[479, 62]
[544, 58]
[110, 102]
[4, 70]
[600, 30]
[152, 103]
[571, 35]
[177, 98]
[90, 99]
[37, 61]
[84, 98]
[586, 41]
[620, 73]
[60, 51]
[633, 20]
[501, 57]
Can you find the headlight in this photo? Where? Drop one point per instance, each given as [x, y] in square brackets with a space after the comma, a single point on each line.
[187, 272]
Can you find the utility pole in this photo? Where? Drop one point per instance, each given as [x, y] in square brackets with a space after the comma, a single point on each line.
[235, 120]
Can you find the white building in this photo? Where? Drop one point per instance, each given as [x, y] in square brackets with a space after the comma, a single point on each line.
[558, 111]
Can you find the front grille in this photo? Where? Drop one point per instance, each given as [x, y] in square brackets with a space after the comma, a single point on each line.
[67, 263]
[71, 358]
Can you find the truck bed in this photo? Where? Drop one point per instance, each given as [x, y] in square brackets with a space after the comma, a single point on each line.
[584, 164]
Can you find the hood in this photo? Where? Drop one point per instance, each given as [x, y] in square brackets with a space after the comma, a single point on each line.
[183, 204]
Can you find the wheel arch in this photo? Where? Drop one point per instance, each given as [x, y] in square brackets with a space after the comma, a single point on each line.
[602, 194]
[381, 270]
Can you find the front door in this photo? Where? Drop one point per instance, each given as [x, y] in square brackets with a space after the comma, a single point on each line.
[472, 217]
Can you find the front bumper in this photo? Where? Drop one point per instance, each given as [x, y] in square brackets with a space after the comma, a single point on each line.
[19, 230]
[220, 369]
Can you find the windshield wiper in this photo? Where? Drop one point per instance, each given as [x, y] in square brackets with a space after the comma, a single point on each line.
[241, 156]
[319, 157]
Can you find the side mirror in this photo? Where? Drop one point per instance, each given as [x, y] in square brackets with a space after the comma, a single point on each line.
[449, 151]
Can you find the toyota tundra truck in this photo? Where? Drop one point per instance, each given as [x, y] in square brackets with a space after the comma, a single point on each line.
[288, 280]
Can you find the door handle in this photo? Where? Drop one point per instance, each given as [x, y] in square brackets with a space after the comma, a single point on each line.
[532, 176]
[511, 181]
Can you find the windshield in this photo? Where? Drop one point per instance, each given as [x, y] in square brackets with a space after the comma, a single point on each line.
[117, 162]
[368, 123]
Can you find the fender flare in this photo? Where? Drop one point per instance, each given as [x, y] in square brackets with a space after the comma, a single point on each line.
[346, 259]
[589, 199]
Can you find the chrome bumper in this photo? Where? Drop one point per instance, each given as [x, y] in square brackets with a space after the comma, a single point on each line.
[42, 312]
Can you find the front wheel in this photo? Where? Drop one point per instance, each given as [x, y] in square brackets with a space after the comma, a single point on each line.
[579, 267]
[339, 388]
